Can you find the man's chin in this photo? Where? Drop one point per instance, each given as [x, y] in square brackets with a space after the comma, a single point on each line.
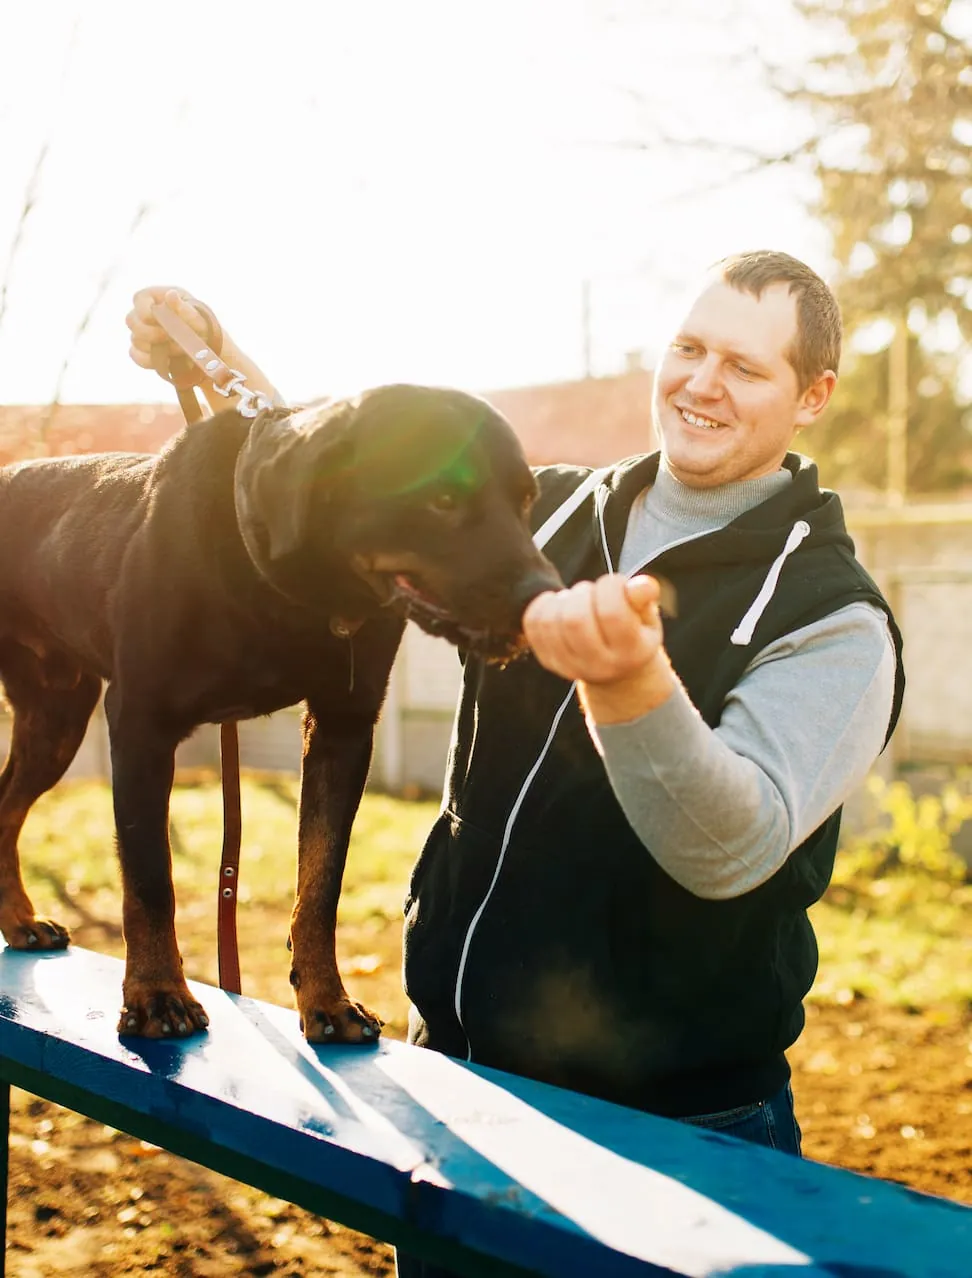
[695, 469]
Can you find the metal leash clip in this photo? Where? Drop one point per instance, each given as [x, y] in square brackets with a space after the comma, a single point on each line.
[251, 401]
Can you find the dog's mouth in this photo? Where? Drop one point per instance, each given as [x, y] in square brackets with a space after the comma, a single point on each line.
[411, 598]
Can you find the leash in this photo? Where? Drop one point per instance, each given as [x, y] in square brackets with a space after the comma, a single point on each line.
[201, 360]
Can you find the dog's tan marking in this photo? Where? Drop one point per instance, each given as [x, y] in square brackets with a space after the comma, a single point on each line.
[157, 1001]
[327, 1013]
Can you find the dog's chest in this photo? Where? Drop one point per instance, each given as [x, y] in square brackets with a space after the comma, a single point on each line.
[263, 678]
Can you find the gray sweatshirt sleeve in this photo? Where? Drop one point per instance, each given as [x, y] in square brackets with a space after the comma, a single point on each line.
[721, 809]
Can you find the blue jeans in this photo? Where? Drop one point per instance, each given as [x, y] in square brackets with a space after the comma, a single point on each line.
[770, 1122]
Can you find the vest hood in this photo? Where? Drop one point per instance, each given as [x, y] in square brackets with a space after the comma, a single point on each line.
[754, 537]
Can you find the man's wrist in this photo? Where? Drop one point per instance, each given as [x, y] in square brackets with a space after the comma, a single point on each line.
[624, 700]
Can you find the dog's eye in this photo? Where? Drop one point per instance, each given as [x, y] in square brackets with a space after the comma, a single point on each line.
[444, 502]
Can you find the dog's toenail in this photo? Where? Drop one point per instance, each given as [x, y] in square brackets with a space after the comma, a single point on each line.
[131, 1022]
[31, 938]
[166, 1027]
[182, 1027]
[328, 1029]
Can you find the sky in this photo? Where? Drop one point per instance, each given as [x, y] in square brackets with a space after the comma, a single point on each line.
[419, 190]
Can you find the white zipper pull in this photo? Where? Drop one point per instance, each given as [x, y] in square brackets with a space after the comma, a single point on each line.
[743, 633]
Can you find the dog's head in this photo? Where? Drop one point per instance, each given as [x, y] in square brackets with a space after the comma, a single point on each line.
[407, 497]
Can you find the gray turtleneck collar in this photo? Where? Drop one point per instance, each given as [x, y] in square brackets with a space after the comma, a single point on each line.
[671, 511]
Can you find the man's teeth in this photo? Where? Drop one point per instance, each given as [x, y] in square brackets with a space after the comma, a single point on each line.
[693, 420]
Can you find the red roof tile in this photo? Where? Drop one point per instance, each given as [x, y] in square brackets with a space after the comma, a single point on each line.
[589, 422]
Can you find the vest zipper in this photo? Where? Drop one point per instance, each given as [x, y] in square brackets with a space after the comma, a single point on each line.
[547, 530]
[800, 530]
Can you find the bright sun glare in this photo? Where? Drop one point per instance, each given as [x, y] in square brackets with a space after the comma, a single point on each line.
[371, 193]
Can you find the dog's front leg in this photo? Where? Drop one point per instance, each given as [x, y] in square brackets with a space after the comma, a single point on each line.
[157, 1001]
[337, 751]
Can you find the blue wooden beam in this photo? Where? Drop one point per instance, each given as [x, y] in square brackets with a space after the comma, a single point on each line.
[480, 1170]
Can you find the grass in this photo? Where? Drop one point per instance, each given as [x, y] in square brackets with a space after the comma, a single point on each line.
[71, 871]
[896, 926]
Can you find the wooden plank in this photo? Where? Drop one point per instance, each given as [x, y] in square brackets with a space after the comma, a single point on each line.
[454, 1161]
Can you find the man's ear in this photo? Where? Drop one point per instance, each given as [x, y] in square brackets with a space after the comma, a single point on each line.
[815, 398]
[290, 458]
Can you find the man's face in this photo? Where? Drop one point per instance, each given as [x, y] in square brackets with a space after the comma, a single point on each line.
[726, 401]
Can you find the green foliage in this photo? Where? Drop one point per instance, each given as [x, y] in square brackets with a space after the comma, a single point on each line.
[913, 844]
[892, 153]
[849, 441]
[896, 923]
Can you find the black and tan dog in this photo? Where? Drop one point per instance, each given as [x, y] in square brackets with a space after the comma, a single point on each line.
[219, 580]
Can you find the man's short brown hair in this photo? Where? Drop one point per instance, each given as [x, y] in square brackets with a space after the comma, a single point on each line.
[817, 345]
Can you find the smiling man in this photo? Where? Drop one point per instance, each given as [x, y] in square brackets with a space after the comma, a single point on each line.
[638, 815]
[636, 820]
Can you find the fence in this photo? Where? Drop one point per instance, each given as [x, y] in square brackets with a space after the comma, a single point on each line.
[921, 556]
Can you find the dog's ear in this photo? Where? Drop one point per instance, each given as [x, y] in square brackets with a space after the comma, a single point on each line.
[289, 459]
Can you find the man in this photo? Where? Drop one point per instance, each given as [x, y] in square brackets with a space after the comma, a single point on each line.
[637, 816]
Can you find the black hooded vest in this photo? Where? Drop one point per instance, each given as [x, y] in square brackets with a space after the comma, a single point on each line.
[541, 936]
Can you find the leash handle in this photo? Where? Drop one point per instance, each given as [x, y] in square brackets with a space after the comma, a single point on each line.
[203, 361]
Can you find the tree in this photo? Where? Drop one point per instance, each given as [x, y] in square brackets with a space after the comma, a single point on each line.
[891, 95]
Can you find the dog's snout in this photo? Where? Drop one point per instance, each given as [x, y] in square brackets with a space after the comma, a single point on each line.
[540, 578]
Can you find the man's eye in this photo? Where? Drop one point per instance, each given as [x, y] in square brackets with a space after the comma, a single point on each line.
[683, 348]
[746, 372]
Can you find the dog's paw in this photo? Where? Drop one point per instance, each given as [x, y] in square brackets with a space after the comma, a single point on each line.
[37, 935]
[347, 1023]
[161, 1013]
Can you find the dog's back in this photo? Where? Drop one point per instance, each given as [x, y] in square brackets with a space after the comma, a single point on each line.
[65, 524]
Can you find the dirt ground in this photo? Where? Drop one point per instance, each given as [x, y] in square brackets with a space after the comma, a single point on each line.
[878, 1089]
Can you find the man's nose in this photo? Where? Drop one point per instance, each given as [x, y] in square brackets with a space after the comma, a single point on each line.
[705, 381]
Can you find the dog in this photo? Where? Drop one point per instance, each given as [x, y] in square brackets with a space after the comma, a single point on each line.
[251, 565]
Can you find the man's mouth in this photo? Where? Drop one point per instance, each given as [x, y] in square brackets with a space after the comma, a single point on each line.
[696, 419]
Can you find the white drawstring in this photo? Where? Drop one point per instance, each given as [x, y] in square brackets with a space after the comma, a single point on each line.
[556, 521]
[743, 633]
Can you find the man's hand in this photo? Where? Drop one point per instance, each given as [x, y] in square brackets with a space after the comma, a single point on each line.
[146, 333]
[606, 635]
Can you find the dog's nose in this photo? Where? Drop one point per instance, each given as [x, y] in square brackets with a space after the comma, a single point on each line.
[540, 578]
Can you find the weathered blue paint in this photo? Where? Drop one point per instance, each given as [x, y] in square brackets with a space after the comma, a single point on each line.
[463, 1163]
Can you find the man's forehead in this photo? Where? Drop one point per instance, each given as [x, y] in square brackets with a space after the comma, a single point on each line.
[721, 312]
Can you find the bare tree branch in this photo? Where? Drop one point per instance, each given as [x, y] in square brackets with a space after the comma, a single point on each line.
[33, 184]
[104, 283]
[30, 199]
